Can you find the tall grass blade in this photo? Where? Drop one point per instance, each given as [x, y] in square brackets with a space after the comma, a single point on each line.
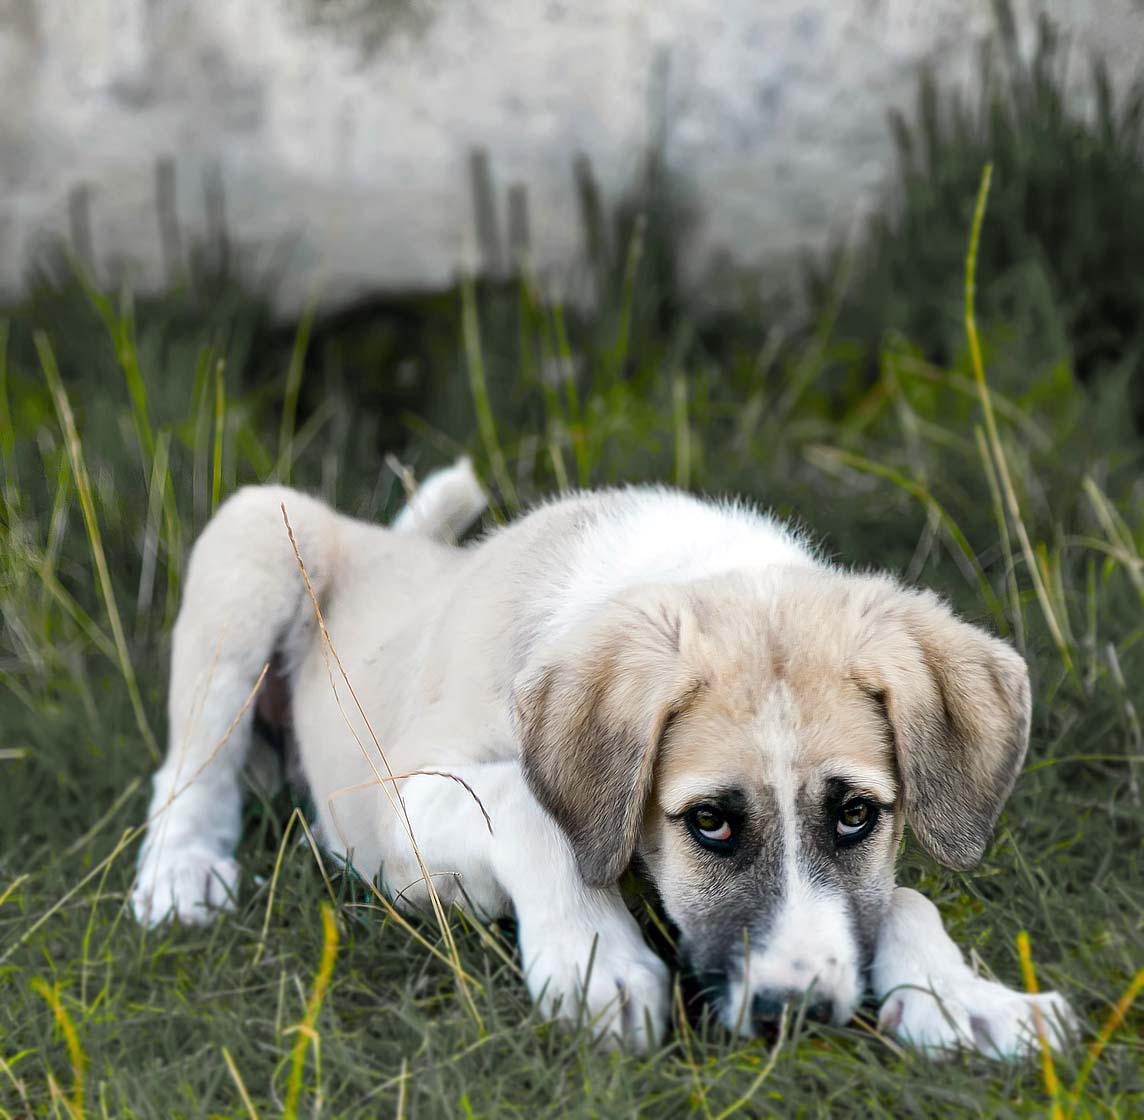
[293, 391]
[1048, 1068]
[1011, 585]
[76, 1056]
[128, 354]
[572, 398]
[156, 493]
[833, 456]
[994, 436]
[1118, 534]
[682, 432]
[240, 1085]
[11, 491]
[306, 1031]
[478, 387]
[617, 355]
[219, 433]
[1115, 1017]
[95, 540]
[397, 802]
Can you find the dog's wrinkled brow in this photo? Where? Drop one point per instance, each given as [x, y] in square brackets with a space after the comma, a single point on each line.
[702, 791]
[877, 784]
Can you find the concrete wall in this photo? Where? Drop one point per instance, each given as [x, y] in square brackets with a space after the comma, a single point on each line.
[345, 127]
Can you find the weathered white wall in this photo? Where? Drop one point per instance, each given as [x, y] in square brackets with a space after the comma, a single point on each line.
[350, 136]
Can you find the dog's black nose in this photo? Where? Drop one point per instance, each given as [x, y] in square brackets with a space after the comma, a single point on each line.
[767, 1006]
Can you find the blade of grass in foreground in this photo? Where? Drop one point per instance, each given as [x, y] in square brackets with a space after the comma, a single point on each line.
[51, 995]
[1115, 1018]
[95, 540]
[397, 802]
[305, 1031]
[239, 1084]
[130, 835]
[1048, 1069]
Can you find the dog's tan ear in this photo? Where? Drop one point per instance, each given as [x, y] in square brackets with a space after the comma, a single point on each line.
[591, 710]
[958, 704]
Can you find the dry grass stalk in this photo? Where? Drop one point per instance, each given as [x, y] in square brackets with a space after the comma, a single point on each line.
[397, 802]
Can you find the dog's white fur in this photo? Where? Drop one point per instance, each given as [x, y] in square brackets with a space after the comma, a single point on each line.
[432, 638]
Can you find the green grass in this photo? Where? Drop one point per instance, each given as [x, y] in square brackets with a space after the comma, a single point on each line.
[1005, 484]
[1066, 212]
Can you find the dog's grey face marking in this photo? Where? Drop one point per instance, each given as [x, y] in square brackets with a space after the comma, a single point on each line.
[783, 713]
[858, 864]
[787, 907]
[727, 892]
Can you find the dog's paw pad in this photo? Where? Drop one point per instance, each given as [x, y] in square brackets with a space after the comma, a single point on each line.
[190, 885]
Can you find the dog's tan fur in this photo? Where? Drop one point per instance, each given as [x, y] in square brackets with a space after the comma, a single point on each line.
[614, 699]
[895, 691]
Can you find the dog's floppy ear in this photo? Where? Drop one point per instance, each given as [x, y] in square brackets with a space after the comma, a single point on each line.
[591, 709]
[958, 704]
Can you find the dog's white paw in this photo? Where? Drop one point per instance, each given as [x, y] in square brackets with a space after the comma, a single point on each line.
[965, 1011]
[627, 994]
[191, 883]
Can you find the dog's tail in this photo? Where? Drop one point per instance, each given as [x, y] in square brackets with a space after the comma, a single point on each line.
[445, 504]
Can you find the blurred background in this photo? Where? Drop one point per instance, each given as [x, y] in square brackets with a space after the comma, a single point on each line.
[352, 134]
[336, 243]
[346, 162]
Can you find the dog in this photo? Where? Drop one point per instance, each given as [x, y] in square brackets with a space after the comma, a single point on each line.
[625, 679]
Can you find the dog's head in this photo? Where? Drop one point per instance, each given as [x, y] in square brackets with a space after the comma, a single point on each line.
[756, 745]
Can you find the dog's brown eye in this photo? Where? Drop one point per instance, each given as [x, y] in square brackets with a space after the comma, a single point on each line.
[855, 819]
[710, 826]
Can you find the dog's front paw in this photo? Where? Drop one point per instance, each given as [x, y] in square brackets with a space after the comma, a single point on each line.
[621, 991]
[190, 883]
[968, 1012]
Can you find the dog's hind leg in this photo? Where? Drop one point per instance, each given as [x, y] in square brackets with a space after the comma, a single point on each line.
[244, 604]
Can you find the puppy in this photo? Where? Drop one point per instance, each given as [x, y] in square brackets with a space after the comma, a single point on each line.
[626, 678]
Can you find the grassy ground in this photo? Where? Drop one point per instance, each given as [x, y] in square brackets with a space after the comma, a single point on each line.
[122, 426]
